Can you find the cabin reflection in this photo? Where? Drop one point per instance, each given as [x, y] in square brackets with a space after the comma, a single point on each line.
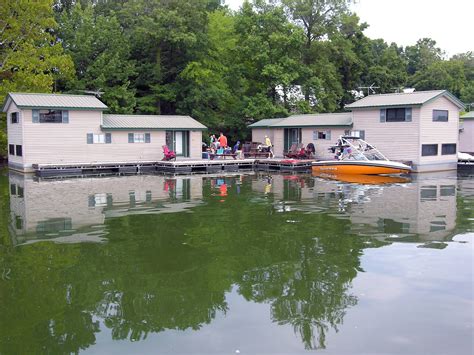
[75, 210]
[420, 209]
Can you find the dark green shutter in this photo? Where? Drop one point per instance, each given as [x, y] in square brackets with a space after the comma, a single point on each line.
[362, 135]
[147, 138]
[108, 138]
[36, 116]
[65, 116]
[90, 138]
[130, 138]
[186, 143]
[408, 114]
[383, 114]
[328, 135]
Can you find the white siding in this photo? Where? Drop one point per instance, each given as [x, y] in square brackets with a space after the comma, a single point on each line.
[258, 134]
[15, 134]
[439, 132]
[466, 137]
[195, 144]
[278, 142]
[396, 140]
[67, 143]
[321, 145]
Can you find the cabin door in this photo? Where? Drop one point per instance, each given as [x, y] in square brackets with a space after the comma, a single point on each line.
[292, 136]
[178, 141]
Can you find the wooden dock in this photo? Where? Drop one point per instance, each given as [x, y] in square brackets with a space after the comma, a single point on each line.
[284, 164]
[172, 167]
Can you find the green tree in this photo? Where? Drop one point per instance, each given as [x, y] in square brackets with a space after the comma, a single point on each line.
[319, 19]
[31, 60]
[422, 55]
[206, 81]
[448, 75]
[268, 55]
[30, 57]
[165, 36]
[101, 54]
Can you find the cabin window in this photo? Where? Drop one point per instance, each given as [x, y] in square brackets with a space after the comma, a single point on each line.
[50, 116]
[429, 150]
[402, 114]
[440, 115]
[139, 138]
[54, 225]
[19, 150]
[448, 149]
[99, 138]
[323, 135]
[11, 149]
[359, 134]
[14, 117]
[16, 190]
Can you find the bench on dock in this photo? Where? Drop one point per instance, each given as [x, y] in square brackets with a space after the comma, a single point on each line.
[212, 156]
[251, 150]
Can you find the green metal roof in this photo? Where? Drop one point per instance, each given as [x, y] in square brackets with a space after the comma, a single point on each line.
[308, 120]
[267, 122]
[57, 101]
[156, 122]
[403, 99]
[468, 115]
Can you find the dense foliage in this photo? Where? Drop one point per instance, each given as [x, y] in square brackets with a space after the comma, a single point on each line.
[224, 68]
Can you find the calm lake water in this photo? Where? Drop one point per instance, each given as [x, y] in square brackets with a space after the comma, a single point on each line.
[248, 263]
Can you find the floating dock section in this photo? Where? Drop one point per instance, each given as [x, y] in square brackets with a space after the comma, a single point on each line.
[172, 167]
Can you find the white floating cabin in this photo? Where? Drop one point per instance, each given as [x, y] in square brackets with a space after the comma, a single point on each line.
[418, 127]
[72, 129]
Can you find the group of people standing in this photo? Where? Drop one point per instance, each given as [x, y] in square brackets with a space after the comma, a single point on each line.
[221, 143]
[217, 143]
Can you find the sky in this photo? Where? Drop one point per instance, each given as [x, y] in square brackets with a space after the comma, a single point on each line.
[449, 23]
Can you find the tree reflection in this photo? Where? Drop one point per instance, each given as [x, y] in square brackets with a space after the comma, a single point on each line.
[172, 271]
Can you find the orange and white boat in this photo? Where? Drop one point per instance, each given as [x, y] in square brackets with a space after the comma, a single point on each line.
[356, 156]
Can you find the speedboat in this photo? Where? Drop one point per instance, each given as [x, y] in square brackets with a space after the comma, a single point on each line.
[356, 156]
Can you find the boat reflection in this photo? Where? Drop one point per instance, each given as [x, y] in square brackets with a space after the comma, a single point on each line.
[364, 179]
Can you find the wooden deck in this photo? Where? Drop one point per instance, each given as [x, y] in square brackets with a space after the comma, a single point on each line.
[172, 167]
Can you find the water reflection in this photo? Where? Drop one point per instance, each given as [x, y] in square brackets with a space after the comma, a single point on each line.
[419, 209]
[163, 253]
[75, 210]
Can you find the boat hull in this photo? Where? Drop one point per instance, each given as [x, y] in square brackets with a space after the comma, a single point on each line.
[361, 167]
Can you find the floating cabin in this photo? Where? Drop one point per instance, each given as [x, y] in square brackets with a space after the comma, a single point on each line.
[72, 129]
[421, 128]
[466, 133]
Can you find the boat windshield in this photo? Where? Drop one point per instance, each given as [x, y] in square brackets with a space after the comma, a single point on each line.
[354, 148]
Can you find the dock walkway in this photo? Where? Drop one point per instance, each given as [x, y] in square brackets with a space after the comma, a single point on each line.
[172, 167]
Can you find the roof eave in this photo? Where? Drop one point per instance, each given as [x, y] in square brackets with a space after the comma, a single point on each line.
[381, 106]
[315, 125]
[7, 102]
[62, 108]
[152, 128]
